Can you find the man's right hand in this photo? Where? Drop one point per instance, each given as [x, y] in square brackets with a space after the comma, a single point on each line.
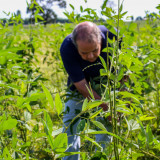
[104, 106]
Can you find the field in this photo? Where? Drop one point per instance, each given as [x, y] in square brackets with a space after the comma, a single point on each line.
[33, 86]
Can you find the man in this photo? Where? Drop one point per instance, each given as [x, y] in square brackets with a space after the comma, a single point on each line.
[80, 53]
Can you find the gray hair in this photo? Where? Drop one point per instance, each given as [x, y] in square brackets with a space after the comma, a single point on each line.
[86, 31]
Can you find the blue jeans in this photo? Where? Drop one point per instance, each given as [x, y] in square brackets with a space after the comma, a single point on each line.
[72, 106]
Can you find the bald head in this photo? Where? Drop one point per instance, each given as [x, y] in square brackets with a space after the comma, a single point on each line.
[86, 32]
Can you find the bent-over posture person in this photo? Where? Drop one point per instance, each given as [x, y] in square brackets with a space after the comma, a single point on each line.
[80, 55]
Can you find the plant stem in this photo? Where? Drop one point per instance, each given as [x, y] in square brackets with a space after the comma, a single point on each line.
[114, 97]
[74, 119]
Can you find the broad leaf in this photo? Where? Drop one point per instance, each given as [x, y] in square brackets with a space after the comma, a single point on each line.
[94, 104]
[48, 95]
[91, 140]
[9, 124]
[103, 63]
[6, 154]
[149, 135]
[145, 118]
[99, 125]
[56, 132]
[84, 106]
[60, 143]
[130, 95]
[58, 104]
[81, 126]
[60, 155]
[95, 114]
[27, 116]
[48, 134]
[48, 122]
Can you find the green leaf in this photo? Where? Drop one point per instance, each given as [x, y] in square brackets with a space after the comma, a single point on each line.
[11, 86]
[132, 26]
[104, 4]
[48, 122]
[137, 155]
[6, 13]
[130, 95]
[27, 4]
[103, 72]
[81, 126]
[71, 6]
[27, 116]
[39, 17]
[66, 14]
[38, 112]
[60, 155]
[141, 126]
[90, 91]
[9, 124]
[48, 95]
[103, 63]
[91, 140]
[141, 138]
[85, 103]
[14, 139]
[60, 143]
[3, 60]
[145, 118]
[28, 107]
[99, 125]
[95, 114]
[132, 124]
[120, 74]
[158, 7]
[49, 137]
[121, 8]
[58, 104]
[35, 97]
[41, 9]
[81, 8]
[93, 104]
[99, 156]
[56, 132]
[114, 135]
[124, 13]
[149, 135]
[124, 110]
[6, 155]
[20, 102]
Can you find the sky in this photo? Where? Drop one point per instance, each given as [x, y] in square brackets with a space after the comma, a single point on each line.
[135, 8]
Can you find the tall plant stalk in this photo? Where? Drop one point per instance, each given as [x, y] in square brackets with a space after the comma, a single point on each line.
[114, 95]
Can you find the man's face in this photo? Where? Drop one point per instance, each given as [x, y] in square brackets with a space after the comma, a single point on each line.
[89, 51]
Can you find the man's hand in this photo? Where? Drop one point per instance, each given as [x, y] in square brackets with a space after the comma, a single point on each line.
[104, 106]
[124, 79]
[81, 87]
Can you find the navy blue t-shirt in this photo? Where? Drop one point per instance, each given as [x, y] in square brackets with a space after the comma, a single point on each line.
[76, 67]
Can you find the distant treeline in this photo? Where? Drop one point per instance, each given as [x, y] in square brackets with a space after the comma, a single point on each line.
[27, 21]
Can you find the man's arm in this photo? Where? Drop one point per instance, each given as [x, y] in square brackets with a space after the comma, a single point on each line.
[82, 88]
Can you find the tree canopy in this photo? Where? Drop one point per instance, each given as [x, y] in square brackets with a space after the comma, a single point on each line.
[43, 8]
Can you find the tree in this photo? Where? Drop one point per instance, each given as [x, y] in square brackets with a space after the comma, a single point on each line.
[139, 18]
[44, 9]
[18, 12]
[132, 18]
